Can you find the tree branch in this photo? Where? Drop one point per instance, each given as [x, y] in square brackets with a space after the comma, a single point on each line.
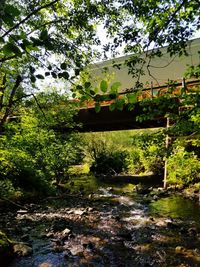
[47, 23]
[28, 17]
[10, 102]
[38, 104]
[2, 90]
[7, 58]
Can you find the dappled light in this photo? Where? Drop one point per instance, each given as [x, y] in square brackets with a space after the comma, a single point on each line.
[99, 133]
[104, 230]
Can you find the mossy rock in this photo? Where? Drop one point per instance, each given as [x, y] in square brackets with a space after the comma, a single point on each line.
[6, 248]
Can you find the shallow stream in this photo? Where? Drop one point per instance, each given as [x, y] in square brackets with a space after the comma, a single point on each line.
[111, 225]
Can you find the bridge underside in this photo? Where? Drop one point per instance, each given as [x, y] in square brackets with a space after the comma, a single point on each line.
[107, 120]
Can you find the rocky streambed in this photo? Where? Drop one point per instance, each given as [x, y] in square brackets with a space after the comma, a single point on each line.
[111, 227]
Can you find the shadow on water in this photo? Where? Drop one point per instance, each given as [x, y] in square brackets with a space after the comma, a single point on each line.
[113, 227]
[90, 183]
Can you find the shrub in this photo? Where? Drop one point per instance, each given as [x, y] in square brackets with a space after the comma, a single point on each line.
[33, 154]
[148, 152]
[110, 163]
[6, 189]
[134, 164]
[183, 166]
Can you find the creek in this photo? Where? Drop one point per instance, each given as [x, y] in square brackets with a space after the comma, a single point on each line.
[107, 225]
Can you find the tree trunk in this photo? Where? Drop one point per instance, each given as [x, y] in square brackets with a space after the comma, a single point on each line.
[10, 102]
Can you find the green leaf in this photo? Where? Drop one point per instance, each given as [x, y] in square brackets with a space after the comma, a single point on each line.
[132, 98]
[97, 107]
[47, 73]
[99, 98]
[8, 20]
[120, 104]
[92, 92]
[83, 98]
[104, 86]
[79, 87]
[36, 42]
[33, 79]
[11, 10]
[32, 69]
[54, 75]
[63, 66]
[131, 106]
[87, 85]
[115, 86]
[11, 48]
[25, 43]
[39, 76]
[60, 75]
[65, 75]
[44, 35]
[112, 107]
[48, 44]
[49, 67]
[77, 72]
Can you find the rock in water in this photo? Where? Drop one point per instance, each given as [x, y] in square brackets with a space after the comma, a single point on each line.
[22, 211]
[22, 249]
[66, 231]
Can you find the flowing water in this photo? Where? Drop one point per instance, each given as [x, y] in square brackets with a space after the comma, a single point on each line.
[111, 225]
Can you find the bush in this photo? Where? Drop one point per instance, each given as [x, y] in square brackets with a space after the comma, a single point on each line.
[134, 164]
[132, 151]
[148, 152]
[6, 189]
[32, 154]
[183, 167]
[110, 163]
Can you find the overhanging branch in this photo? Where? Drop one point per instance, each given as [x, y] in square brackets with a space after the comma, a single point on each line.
[28, 17]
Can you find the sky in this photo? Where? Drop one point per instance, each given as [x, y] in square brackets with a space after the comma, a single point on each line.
[63, 85]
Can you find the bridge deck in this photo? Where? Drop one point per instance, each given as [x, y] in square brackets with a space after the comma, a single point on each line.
[107, 120]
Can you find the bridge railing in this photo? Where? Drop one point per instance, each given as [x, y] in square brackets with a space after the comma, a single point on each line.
[153, 91]
[171, 87]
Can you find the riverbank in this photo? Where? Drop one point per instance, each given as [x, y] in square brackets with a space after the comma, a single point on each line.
[152, 185]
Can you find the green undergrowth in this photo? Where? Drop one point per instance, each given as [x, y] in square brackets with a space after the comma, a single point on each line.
[139, 152]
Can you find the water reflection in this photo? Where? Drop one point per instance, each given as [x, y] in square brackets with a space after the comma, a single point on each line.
[175, 207]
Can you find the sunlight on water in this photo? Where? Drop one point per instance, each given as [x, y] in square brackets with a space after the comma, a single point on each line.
[176, 207]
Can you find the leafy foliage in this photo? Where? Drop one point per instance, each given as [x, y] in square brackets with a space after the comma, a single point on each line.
[113, 162]
[147, 153]
[33, 154]
[133, 152]
[57, 39]
[51, 39]
[183, 166]
[104, 155]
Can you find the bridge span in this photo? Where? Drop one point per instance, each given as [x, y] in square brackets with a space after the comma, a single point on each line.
[106, 120]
